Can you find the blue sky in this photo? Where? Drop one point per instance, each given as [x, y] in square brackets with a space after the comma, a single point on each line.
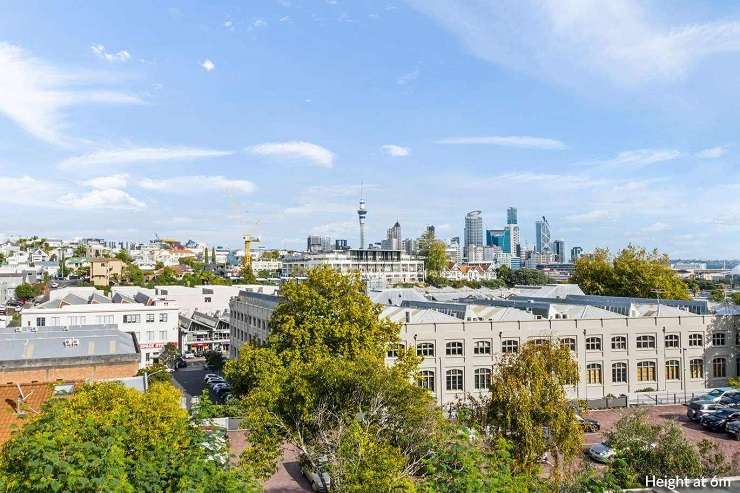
[616, 120]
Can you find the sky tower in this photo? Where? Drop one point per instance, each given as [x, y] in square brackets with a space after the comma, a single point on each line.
[361, 215]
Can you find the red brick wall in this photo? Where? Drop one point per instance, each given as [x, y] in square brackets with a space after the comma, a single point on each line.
[70, 373]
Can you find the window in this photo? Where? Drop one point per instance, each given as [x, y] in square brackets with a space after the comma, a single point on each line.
[394, 350]
[719, 367]
[162, 317]
[162, 335]
[454, 379]
[737, 338]
[482, 378]
[207, 299]
[150, 335]
[718, 339]
[40, 322]
[646, 371]
[593, 373]
[150, 317]
[569, 342]
[132, 319]
[482, 347]
[672, 341]
[539, 341]
[619, 373]
[426, 379]
[510, 346]
[645, 342]
[672, 370]
[425, 349]
[696, 368]
[593, 344]
[454, 348]
[696, 340]
[619, 343]
[105, 319]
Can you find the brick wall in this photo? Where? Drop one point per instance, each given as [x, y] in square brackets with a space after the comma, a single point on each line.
[100, 371]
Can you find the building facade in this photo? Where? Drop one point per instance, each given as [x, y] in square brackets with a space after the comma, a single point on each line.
[250, 315]
[201, 332]
[473, 230]
[105, 270]
[542, 236]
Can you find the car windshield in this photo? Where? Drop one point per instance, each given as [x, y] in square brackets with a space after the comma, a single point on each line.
[715, 393]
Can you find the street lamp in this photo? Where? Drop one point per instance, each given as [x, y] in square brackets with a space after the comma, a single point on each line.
[147, 375]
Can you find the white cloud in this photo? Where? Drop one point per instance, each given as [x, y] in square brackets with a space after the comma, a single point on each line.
[189, 184]
[104, 198]
[35, 94]
[566, 40]
[208, 65]
[259, 23]
[657, 227]
[640, 157]
[102, 53]
[103, 182]
[229, 25]
[318, 155]
[396, 150]
[408, 77]
[25, 190]
[525, 142]
[588, 217]
[138, 155]
[712, 153]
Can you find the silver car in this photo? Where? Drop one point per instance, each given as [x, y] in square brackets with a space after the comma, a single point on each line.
[602, 452]
[317, 476]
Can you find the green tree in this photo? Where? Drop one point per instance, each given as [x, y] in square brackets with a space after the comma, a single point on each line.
[167, 277]
[169, 354]
[246, 275]
[528, 277]
[717, 295]
[215, 359]
[107, 437]
[634, 272]
[124, 256]
[133, 275]
[205, 256]
[2, 258]
[80, 251]
[735, 298]
[155, 373]
[528, 403]
[435, 258]
[25, 291]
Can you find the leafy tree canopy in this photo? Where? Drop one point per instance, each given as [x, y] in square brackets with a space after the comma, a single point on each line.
[25, 291]
[633, 272]
[107, 437]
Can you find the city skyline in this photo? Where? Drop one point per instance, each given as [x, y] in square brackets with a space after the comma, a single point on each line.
[212, 121]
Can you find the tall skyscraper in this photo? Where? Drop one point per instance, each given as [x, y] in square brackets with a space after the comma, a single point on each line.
[495, 237]
[362, 216]
[393, 240]
[542, 235]
[473, 230]
[558, 248]
[575, 253]
[341, 245]
[511, 215]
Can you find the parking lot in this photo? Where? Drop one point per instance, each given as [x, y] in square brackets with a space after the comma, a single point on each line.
[676, 413]
[191, 378]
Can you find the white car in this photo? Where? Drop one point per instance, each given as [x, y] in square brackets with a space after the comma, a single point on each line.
[54, 285]
[602, 452]
[319, 478]
[189, 355]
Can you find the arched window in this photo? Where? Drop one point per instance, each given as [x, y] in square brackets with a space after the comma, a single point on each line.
[454, 348]
[619, 343]
[696, 340]
[646, 371]
[482, 347]
[426, 379]
[593, 373]
[593, 343]
[619, 373]
[569, 342]
[454, 379]
[510, 346]
[696, 368]
[425, 349]
[672, 370]
[672, 341]
[719, 367]
[482, 378]
[645, 342]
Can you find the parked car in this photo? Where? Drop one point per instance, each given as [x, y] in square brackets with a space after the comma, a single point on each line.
[733, 428]
[602, 452]
[215, 381]
[717, 420]
[317, 476]
[716, 394]
[696, 410]
[589, 425]
[210, 376]
[189, 355]
[730, 400]
[54, 285]
[220, 387]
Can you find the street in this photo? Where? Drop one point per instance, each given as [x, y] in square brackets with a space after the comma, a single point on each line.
[191, 378]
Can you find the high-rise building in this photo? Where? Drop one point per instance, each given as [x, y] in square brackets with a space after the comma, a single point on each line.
[431, 230]
[511, 215]
[542, 235]
[511, 240]
[558, 248]
[575, 253]
[495, 237]
[316, 244]
[362, 216]
[473, 230]
[393, 239]
[341, 245]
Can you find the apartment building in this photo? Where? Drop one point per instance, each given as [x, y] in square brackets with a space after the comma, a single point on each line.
[154, 321]
[202, 332]
[624, 346]
[105, 270]
[387, 267]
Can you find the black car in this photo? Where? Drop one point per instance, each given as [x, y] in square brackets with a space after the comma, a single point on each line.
[180, 363]
[731, 400]
[717, 420]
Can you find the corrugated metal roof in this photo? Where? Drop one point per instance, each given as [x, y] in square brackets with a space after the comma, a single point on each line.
[63, 342]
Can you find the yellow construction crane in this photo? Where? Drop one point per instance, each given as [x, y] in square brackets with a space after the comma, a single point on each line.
[248, 240]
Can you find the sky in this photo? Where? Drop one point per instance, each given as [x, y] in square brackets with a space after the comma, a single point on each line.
[205, 120]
